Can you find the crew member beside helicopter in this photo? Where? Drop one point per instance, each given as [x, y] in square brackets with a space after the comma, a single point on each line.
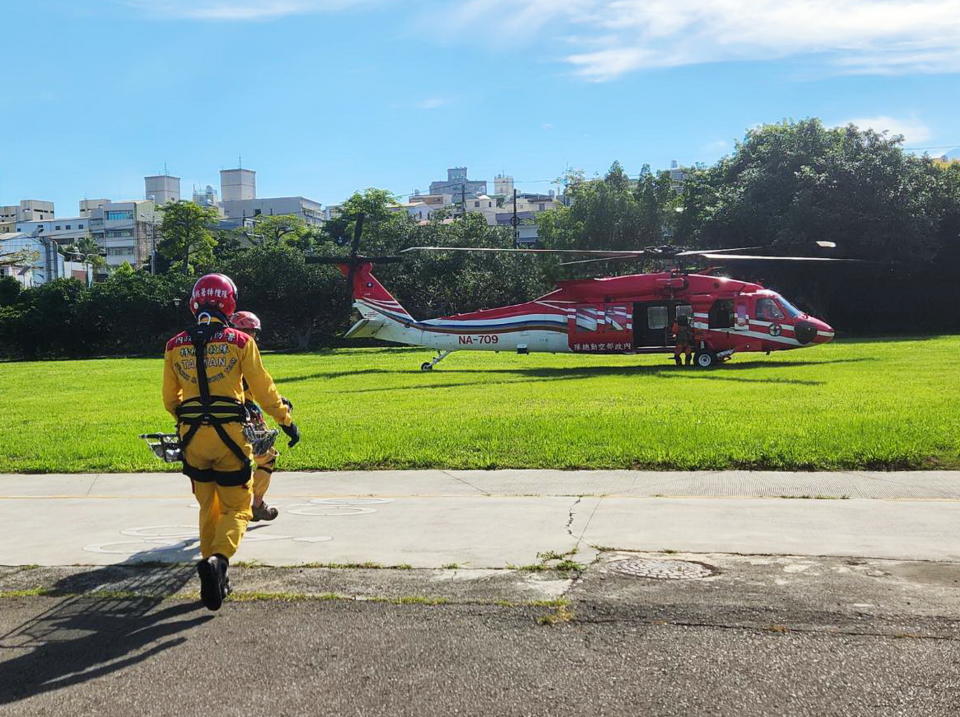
[266, 460]
[685, 340]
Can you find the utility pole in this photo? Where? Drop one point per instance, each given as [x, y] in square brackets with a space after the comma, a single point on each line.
[515, 221]
[463, 199]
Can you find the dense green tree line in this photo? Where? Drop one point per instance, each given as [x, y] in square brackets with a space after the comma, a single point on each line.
[782, 189]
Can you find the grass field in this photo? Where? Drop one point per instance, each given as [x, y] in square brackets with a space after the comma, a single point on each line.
[864, 404]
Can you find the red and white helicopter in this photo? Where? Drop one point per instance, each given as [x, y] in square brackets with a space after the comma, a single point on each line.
[631, 314]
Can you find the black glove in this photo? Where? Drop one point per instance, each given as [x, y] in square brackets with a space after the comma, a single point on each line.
[287, 402]
[293, 433]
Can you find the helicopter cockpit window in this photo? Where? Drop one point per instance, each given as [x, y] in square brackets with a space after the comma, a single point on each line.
[794, 312]
[767, 310]
[656, 317]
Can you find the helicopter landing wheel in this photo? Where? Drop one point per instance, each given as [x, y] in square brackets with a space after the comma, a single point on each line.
[426, 366]
[706, 359]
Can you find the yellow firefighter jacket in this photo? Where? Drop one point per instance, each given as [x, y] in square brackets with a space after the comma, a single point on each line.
[232, 356]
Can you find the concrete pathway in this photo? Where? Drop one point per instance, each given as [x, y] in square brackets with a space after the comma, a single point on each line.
[491, 519]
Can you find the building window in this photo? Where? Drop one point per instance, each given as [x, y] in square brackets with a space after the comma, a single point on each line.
[79, 226]
[119, 215]
[58, 227]
[68, 226]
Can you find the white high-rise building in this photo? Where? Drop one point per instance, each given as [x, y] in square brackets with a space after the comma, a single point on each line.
[503, 185]
[237, 185]
[162, 188]
[28, 210]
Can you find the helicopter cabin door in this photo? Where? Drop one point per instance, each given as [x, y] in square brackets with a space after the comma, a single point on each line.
[600, 328]
[653, 322]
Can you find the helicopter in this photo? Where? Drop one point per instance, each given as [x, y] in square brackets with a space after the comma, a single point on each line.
[630, 314]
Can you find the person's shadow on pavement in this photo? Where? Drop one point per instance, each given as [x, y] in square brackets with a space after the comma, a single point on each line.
[107, 621]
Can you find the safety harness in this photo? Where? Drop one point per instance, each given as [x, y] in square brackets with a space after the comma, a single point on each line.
[207, 410]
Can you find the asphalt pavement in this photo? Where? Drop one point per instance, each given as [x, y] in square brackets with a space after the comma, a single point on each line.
[511, 592]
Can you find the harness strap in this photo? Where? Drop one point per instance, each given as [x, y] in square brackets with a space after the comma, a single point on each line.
[209, 410]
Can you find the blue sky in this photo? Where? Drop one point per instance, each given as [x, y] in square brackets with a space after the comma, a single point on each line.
[323, 97]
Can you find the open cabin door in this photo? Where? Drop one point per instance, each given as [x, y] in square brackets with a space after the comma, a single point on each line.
[601, 328]
[653, 322]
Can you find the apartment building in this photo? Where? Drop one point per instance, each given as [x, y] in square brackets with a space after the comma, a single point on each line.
[125, 231]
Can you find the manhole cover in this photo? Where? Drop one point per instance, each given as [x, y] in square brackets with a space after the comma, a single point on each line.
[662, 569]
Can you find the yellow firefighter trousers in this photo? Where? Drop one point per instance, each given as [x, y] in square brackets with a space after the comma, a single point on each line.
[266, 463]
[224, 510]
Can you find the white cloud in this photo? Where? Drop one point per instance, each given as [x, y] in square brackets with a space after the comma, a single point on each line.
[620, 36]
[432, 103]
[720, 146]
[239, 9]
[913, 130]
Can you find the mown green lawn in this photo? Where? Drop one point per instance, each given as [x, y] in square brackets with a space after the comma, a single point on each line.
[853, 404]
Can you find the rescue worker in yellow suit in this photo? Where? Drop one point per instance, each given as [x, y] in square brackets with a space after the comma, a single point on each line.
[683, 332]
[206, 397]
[265, 462]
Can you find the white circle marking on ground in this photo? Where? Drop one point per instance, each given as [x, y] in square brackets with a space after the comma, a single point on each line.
[328, 511]
[263, 537]
[136, 547]
[161, 531]
[351, 501]
[314, 539]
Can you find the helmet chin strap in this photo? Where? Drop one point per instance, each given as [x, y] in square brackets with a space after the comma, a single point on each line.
[207, 315]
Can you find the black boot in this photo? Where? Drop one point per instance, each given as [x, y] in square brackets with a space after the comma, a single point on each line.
[676, 359]
[689, 360]
[214, 584]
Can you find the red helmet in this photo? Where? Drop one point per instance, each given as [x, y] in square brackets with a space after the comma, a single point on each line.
[246, 320]
[214, 291]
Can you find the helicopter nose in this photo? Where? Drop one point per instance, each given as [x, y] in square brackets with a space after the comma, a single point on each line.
[813, 331]
[825, 332]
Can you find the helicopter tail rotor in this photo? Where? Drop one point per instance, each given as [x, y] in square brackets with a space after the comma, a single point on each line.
[361, 284]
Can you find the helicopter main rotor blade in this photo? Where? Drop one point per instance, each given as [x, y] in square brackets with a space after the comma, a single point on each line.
[603, 252]
[747, 257]
[581, 262]
[704, 252]
[360, 259]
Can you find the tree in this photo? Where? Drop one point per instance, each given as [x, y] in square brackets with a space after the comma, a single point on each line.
[793, 183]
[187, 236]
[287, 229]
[9, 290]
[88, 251]
[610, 214]
[297, 303]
